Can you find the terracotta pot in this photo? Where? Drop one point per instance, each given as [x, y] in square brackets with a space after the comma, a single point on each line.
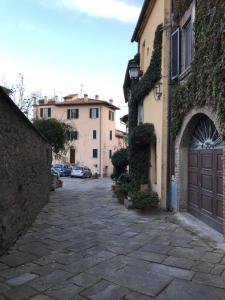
[113, 187]
[120, 200]
[146, 210]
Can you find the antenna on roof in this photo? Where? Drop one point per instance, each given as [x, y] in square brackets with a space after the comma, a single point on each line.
[81, 90]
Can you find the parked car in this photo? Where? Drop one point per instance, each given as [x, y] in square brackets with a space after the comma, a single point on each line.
[83, 172]
[63, 170]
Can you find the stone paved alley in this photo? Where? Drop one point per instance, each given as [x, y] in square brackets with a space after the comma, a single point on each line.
[84, 245]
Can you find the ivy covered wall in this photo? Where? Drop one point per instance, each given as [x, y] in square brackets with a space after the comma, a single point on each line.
[142, 135]
[206, 84]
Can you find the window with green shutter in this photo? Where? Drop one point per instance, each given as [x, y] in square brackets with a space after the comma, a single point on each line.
[94, 134]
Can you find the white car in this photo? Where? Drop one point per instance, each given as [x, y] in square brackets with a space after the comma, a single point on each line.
[83, 172]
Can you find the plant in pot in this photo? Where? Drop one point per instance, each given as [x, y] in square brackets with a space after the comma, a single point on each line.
[122, 191]
[145, 201]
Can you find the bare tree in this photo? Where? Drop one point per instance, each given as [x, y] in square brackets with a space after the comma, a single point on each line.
[18, 95]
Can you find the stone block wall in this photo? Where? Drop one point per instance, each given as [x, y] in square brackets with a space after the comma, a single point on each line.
[25, 162]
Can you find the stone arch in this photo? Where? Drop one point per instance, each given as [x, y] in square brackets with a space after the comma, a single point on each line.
[181, 151]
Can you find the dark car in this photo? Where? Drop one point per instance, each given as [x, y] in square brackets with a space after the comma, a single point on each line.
[81, 172]
[63, 170]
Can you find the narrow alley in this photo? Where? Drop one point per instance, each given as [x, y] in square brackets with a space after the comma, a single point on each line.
[84, 245]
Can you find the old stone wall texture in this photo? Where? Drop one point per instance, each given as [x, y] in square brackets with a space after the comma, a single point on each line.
[25, 161]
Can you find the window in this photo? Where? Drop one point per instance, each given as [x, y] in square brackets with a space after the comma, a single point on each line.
[45, 112]
[175, 53]
[93, 113]
[111, 115]
[73, 113]
[110, 153]
[95, 153]
[142, 56]
[182, 43]
[188, 43]
[73, 135]
[94, 134]
[110, 134]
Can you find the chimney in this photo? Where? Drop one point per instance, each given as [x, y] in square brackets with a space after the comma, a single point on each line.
[34, 100]
[111, 101]
[96, 97]
[45, 99]
[85, 97]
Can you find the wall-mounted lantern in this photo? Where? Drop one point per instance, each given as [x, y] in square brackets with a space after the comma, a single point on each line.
[134, 70]
[158, 92]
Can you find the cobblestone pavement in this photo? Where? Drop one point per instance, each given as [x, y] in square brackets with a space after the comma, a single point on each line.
[84, 245]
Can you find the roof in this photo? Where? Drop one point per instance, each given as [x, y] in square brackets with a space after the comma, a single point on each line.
[120, 133]
[143, 15]
[81, 101]
[70, 96]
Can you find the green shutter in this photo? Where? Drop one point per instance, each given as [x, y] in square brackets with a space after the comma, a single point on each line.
[77, 113]
[49, 112]
[41, 112]
[68, 113]
[96, 112]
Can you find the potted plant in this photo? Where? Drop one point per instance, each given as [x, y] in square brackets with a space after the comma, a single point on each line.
[145, 201]
[121, 192]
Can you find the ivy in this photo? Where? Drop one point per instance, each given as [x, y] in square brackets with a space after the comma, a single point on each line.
[142, 135]
[152, 75]
[139, 151]
[206, 84]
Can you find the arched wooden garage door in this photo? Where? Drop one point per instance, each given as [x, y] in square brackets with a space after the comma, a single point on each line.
[205, 173]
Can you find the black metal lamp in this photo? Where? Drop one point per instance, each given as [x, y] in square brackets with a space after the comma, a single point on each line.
[158, 92]
[134, 70]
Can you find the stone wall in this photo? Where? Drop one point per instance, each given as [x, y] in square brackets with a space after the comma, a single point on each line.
[25, 162]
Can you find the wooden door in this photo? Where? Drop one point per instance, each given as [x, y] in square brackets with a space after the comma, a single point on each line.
[72, 156]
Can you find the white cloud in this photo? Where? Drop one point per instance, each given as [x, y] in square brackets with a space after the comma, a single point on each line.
[109, 9]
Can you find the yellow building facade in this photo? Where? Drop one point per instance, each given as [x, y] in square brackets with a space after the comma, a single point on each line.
[154, 109]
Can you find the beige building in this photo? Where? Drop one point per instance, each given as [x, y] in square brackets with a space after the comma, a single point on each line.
[93, 139]
[153, 108]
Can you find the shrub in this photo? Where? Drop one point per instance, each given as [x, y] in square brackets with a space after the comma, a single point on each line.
[144, 199]
[120, 161]
[123, 190]
[124, 178]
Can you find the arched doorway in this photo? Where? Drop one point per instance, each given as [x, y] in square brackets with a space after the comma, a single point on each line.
[205, 173]
[197, 184]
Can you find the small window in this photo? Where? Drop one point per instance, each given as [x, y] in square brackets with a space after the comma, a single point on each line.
[94, 134]
[110, 153]
[111, 115]
[175, 54]
[93, 113]
[95, 153]
[188, 43]
[110, 135]
[73, 113]
[73, 135]
[45, 112]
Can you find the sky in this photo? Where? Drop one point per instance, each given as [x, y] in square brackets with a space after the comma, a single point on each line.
[65, 46]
